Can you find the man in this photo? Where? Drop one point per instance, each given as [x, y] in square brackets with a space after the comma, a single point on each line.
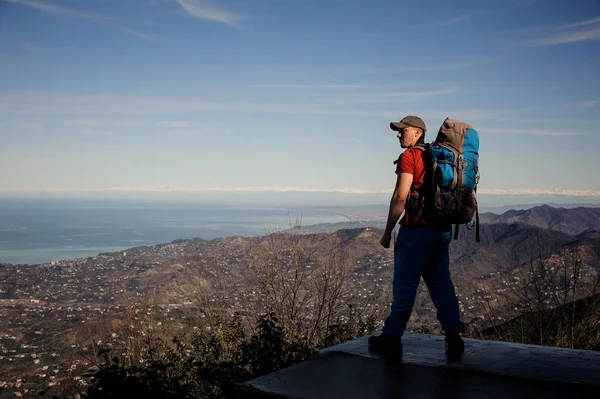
[420, 250]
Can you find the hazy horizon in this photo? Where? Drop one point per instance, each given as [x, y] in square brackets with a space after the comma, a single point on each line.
[291, 199]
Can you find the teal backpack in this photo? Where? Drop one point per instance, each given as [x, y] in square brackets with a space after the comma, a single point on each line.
[448, 193]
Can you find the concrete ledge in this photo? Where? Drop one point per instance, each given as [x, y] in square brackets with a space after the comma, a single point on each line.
[489, 369]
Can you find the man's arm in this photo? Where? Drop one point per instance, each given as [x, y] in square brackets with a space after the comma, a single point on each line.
[397, 203]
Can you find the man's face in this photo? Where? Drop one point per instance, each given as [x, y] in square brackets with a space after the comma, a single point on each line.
[408, 136]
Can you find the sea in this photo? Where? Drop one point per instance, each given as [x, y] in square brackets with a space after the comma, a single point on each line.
[41, 231]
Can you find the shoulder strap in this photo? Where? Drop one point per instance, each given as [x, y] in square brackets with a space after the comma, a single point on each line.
[420, 146]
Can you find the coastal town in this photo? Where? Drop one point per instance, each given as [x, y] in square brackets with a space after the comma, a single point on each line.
[56, 315]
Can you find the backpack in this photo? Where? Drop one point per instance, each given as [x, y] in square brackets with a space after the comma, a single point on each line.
[448, 193]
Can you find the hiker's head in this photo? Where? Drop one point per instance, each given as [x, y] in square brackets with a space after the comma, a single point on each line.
[411, 130]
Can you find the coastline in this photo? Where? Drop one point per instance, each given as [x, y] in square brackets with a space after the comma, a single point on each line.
[39, 232]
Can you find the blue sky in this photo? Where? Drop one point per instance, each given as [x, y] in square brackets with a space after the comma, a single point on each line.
[201, 98]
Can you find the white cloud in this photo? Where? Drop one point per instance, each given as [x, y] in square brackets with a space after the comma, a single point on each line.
[586, 22]
[93, 122]
[110, 109]
[50, 8]
[174, 124]
[301, 140]
[333, 87]
[443, 66]
[582, 104]
[326, 73]
[197, 189]
[146, 36]
[279, 189]
[179, 133]
[541, 191]
[32, 47]
[202, 10]
[35, 128]
[83, 122]
[102, 105]
[464, 114]
[29, 160]
[335, 99]
[338, 100]
[96, 132]
[534, 132]
[415, 95]
[455, 20]
[582, 31]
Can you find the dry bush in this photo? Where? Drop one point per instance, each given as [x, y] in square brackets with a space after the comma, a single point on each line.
[552, 300]
[304, 280]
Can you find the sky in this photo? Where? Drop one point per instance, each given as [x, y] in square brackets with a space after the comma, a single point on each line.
[260, 98]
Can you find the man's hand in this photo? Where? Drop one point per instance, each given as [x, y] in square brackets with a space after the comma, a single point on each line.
[385, 240]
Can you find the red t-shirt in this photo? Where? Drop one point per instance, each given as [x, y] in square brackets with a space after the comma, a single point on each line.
[411, 161]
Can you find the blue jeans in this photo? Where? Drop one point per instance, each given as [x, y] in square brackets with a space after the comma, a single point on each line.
[423, 252]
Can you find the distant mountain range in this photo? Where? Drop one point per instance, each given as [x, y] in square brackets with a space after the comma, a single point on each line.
[508, 241]
[568, 220]
[504, 208]
[571, 221]
[502, 247]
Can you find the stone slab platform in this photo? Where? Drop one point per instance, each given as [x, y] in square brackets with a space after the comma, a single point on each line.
[489, 369]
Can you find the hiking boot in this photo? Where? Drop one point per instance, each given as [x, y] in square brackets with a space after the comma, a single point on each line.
[387, 346]
[455, 347]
